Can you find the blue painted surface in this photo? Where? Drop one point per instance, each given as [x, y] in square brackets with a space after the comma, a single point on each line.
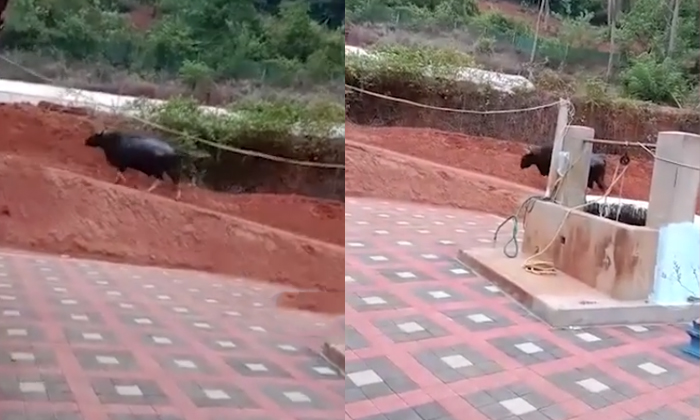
[677, 276]
[693, 348]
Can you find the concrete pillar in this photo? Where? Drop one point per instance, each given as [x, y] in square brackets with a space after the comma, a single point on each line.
[674, 188]
[559, 133]
[571, 191]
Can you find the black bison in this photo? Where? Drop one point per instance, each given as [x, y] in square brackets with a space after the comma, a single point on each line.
[541, 157]
[149, 155]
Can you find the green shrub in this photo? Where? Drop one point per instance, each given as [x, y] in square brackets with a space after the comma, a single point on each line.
[659, 81]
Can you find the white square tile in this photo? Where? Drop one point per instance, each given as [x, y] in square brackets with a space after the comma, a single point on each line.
[107, 360]
[652, 369]
[126, 306]
[593, 385]
[11, 312]
[286, 347]
[148, 286]
[402, 223]
[446, 242]
[17, 332]
[479, 318]
[362, 223]
[429, 256]
[637, 328]
[128, 390]
[410, 327]
[92, 336]
[588, 337]
[180, 310]
[381, 232]
[163, 297]
[439, 294]
[364, 377]
[114, 293]
[349, 279]
[456, 361]
[69, 302]
[355, 245]
[325, 370]
[216, 394]
[202, 325]
[297, 397]
[518, 406]
[185, 364]
[459, 271]
[405, 275]
[143, 321]
[423, 231]
[492, 289]
[256, 367]
[22, 357]
[383, 215]
[226, 344]
[161, 340]
[378, 258]
[404, 243]
[528, 348]
[373, 300]
[7, 297]
[438, 223]
[211, 301]
[257, 329]
[79, 317]
[32, 387]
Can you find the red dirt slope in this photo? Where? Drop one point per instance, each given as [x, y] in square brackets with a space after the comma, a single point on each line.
[492, 157]
[55, 211]
[371, 172]
[54, 138]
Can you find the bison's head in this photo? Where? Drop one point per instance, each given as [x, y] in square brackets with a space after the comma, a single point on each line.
[96, 140]
[528, 159]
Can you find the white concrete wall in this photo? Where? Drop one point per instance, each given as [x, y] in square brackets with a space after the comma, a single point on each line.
[12, 91]
[503, 82]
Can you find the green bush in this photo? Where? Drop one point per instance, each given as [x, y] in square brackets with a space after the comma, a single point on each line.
[249, 124]
[659, 81]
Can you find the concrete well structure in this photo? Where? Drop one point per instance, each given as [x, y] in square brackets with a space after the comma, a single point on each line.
[605, 269]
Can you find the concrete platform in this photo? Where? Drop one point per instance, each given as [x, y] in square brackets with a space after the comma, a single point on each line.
[562, 301]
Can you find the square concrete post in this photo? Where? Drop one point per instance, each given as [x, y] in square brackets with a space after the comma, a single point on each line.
[571, 191]
[559, 133]
[674, 188]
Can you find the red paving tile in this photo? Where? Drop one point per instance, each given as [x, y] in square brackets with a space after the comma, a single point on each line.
[428, 339]
[86, 340]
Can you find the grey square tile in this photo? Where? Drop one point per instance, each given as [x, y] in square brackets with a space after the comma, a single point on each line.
[455, 363]
[355, 278]
[33, 355]
[509, 402]
[353, 339]
[21, 332]
[478, 318]
[294, 396]
[217, 394]
[593, 386]
[655, 371]
[528, 349]
[373, 378]
[89, 335]
[366, 301]
[590, 339]
[257, 368]
[35, 388]
[405, 275]
[664, 413]
[111, 360]
[128, 391]
[409, 328]
[439, 294]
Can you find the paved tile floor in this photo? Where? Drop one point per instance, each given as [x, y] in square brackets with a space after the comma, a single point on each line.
[427, 339]
[83, 340]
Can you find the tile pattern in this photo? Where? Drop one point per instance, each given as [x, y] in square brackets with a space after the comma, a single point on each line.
[427, 339]
[84, 340]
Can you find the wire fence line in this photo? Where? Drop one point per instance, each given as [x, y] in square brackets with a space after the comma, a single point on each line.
[154, 125]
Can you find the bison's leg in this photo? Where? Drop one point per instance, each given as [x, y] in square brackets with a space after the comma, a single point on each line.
[153, 186]
[120, 177]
